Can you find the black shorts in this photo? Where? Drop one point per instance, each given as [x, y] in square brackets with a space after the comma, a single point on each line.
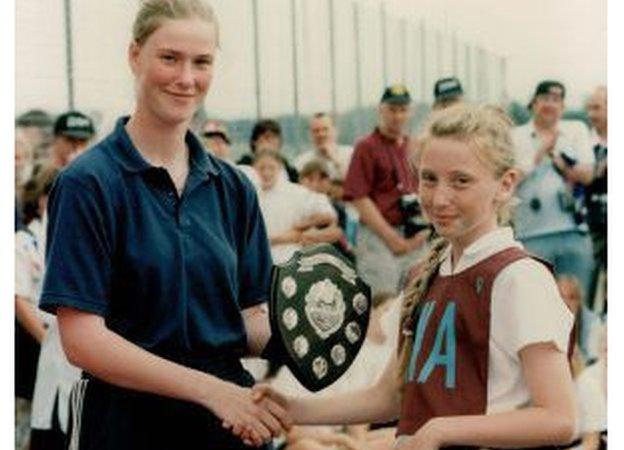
[114, 418]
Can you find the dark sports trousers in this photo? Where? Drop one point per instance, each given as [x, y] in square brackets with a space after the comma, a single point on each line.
[115, 418]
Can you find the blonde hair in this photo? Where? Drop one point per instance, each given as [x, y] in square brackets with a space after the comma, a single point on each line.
[488, 130]
[153, 13]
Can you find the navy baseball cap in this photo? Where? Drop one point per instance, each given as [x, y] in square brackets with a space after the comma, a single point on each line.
[447, 89]
[396, 94]
[74, 124]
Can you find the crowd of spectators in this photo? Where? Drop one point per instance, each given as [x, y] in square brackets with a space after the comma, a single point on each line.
[364, 200]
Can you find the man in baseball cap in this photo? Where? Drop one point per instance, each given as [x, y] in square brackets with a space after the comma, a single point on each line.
[72, 132]
[446, 92]
[548, 88]
[379, 176]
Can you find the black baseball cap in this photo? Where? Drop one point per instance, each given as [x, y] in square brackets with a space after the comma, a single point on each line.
[396, 94]
[547, 87]
[74, 124]
[447, 89]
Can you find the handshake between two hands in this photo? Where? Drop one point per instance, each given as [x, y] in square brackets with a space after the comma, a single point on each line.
[256, 415]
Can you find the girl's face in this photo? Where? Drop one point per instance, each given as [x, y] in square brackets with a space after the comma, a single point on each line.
[173, 69]
[459, 193]
[268, 169]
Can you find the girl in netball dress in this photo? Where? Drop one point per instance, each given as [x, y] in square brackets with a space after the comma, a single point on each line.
[482, 355]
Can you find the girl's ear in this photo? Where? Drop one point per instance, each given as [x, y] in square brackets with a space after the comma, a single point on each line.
[133, 56]
[507, 185]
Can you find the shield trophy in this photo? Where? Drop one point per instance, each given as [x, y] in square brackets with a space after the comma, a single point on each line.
[319, 313]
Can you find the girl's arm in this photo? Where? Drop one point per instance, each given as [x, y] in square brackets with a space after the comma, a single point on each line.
[378, 403]
[549, 420]
[27, 317]
[89, 344]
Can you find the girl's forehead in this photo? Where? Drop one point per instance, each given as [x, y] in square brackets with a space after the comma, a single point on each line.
[446, 151]
[185, 34]
[452, 155]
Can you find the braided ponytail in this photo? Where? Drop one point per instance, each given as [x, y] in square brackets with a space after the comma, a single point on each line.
[414, 293]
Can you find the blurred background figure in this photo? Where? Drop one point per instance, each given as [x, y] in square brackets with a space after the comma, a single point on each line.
[23, 158]
[591, 389]
[215, 137]
[31, 323]
[36, 126]
[381, 186]
[23, 169]
[555, 158]
[324, 137]
[267, 135]
[586, 322]
[294, 215]
[447, 92]
[596, 196]
[315, 176]
[72, 133]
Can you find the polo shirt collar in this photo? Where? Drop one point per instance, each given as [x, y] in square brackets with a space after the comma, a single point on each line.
[131, 160]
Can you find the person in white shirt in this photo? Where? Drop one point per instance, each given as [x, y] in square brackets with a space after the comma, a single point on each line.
[55, 375]
[324, 137]
[30, 323]
[591, 387]
[294, 215]
[553, 156]
[482, 359]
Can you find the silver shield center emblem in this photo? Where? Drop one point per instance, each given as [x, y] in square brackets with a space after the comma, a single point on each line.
[325, 308]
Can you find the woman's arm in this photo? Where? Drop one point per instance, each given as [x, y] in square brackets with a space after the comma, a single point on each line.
[27, 317]
[549, 420]
[378, 403]
[108, 356]
[258, 328]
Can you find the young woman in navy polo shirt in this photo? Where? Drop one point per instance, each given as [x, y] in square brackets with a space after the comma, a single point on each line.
[158, 262]
[482, 360]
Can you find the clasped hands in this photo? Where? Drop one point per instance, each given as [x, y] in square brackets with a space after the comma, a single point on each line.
[255, 415]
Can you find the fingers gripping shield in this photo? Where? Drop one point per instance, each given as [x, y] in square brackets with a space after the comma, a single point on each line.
[319, 312]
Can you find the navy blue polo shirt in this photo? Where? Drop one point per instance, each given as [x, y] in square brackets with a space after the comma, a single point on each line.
[169, 273]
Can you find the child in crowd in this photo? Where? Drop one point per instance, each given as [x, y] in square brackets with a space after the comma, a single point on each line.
[294, 215]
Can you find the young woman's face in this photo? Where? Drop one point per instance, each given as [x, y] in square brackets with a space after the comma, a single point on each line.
[173, 69]
[459, 193]
[268, 169]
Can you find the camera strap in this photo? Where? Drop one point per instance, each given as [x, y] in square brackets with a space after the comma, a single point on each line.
[406, 180]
